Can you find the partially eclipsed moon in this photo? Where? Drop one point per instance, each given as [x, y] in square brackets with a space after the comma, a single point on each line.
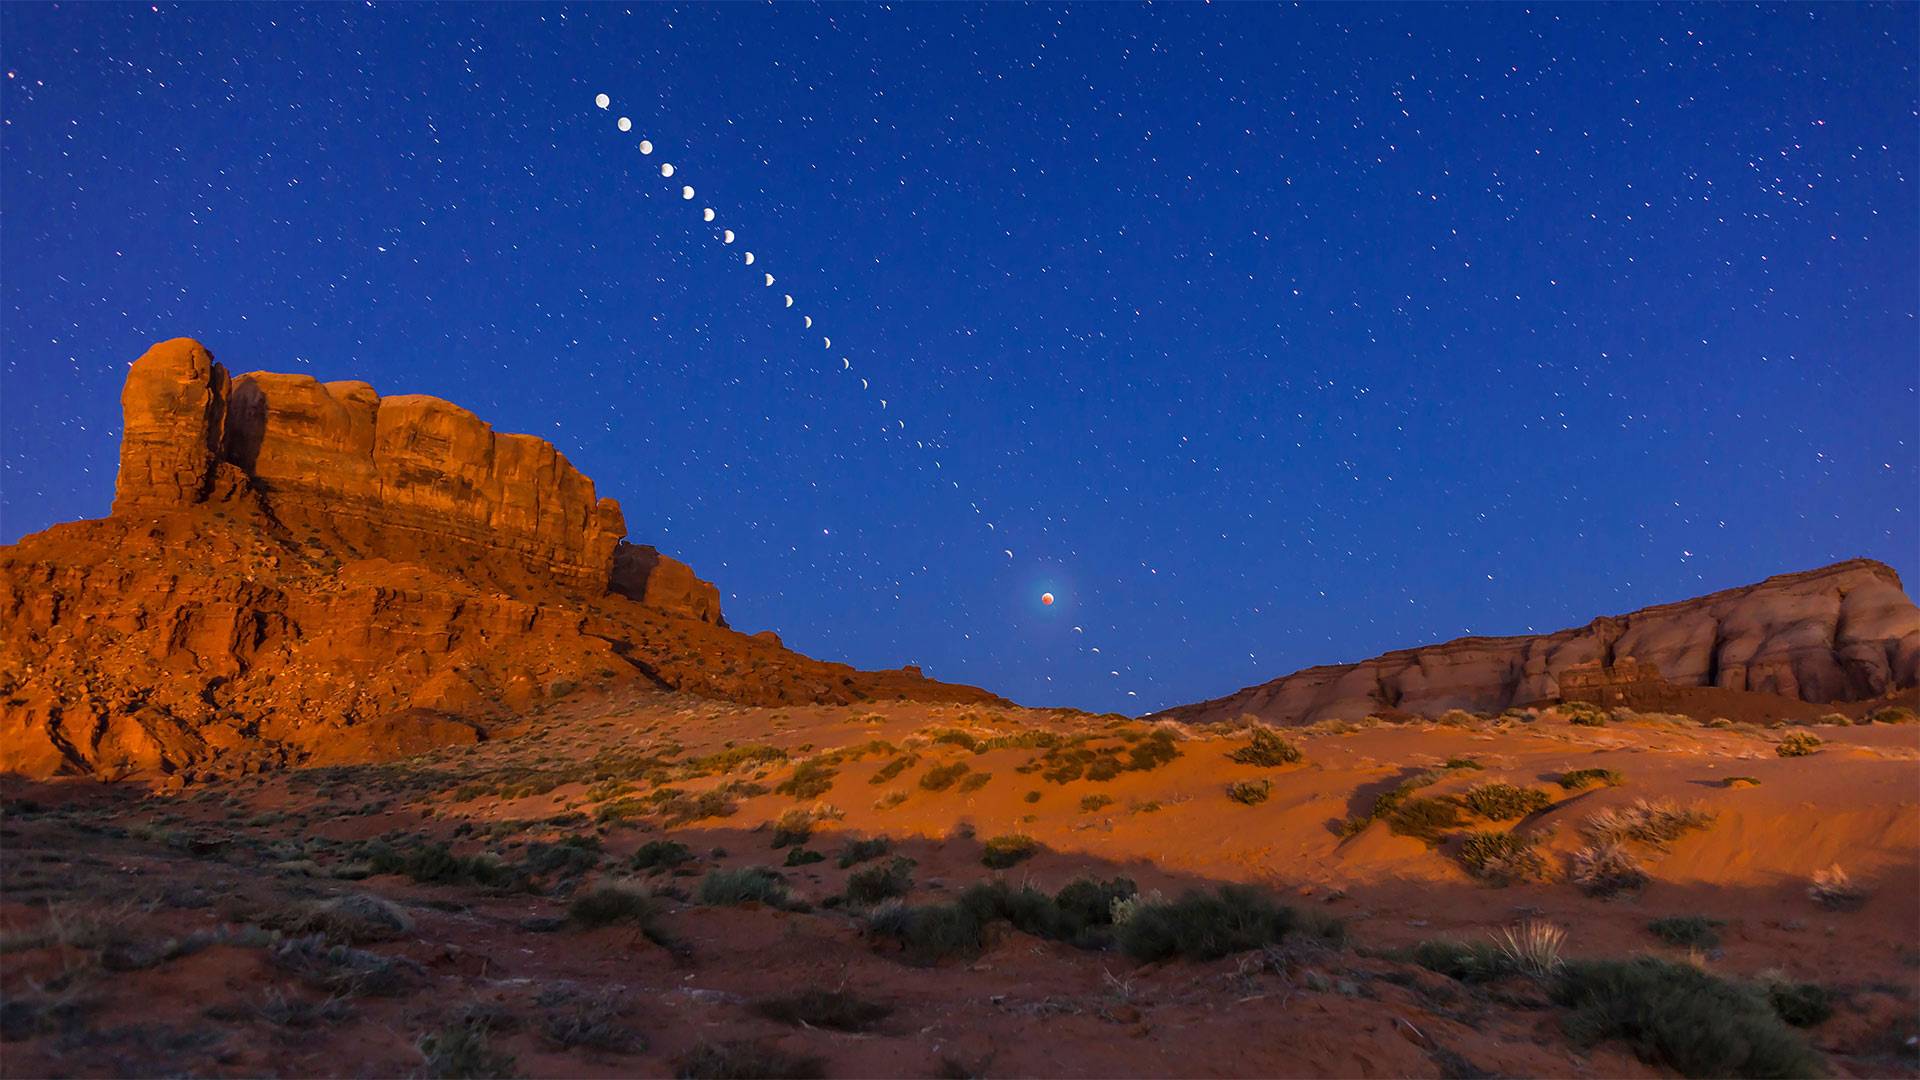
[1046, 598]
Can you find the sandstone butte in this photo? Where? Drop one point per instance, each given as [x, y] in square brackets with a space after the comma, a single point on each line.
[1845, 632]
[306, 572]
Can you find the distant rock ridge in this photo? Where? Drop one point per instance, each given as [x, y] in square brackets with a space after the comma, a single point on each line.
[1839, 633]
[299, 573]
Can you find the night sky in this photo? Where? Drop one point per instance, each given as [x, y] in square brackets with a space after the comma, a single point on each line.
[1262, 337]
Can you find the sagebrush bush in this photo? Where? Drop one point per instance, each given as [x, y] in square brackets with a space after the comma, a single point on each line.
[1463, 961]
[1579, 779]
[1000, 852]
[1798, 744]
[1835, 890]
[810, 780]
[1800, 1004]
[1681, 1017]
[660, 854]
[855, 852]
[1081, 914]
[1502, 858]
[1656, 822]
[1266, 748]
[882, 881]
[1427, 817]
[1206, 926]
[1606, 869]
[745, 884]
[834, 1010]
[942, 777]
[610, 904]
[1688, 931]
[1504, 802]
[1250, 792]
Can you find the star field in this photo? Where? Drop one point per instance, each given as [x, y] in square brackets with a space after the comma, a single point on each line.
[1263, 337]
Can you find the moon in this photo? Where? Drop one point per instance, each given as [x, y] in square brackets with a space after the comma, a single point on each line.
[1046, 598]
[602, 100]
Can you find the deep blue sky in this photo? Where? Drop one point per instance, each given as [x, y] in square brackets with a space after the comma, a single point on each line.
[1265, 337]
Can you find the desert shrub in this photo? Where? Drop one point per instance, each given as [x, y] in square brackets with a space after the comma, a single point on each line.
[835, 1010]
[855, 852]
[1086, 903]
[679, 808]
[1681, 1017]
[355, 918]
[792, 827]
[1001, 852]
[810, 780]
[1150, 753]
[974, 782]
[1580, 779]
[1501, 858]
[570, 857]
[594, 1022]
[1893, 714]
[1583, 713]
[882, 881]
[1387, 802]
[1461, 763]
[1835, 890]
[1427, 818]
[1740, 781]
[1504, 802]
[1207, 926]
[736, 757]
[1653, 822]
[745, 884]
[1031, 796]
[1797, 744]
[1832, 719]
[1689, 931]
[607, 905]
[892, 769]
[462, 1051]
[799, 856]
[1091, 803]
[1458, 718]
[929, 933]
[1250, 792]
[660, 854]
[436, 864]
[1082, 913]
[955, 737]
[1463, 961]
[342, 969]
[1606, 869]
[1266, 748]
[942, 777]
[890, 800]
[1800, 1004]
[745, 1060]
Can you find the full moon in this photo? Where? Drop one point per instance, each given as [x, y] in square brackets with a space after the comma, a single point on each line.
[1046, 598]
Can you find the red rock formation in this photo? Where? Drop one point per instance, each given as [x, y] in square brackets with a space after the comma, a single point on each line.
[301, 572]
[1841, 633]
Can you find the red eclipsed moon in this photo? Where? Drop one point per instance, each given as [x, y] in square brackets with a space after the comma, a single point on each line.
[1046, 598]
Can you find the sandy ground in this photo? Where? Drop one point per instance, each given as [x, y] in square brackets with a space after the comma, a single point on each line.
[148, 933]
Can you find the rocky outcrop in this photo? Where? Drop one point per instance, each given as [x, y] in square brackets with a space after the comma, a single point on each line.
[300, 572]
[409, 475]
[1845, 632]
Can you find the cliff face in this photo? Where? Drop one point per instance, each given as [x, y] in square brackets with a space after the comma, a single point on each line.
[298, 572]
[1844, 632]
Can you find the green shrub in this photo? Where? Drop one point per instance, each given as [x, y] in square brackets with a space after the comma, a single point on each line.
[892, 769]
[942, 777]
[1461, 763]
[799, 856]
[1468, 962]
[1501, 858]
[1681, 1017]
[1504, 802]
[1427, 818]
[974, 782]
[834, 1010]
[735, 757]
[1250, 792]
[661, 855]
[462, 1052]
[743, 885]
[1690, 931]
[883, 881]
[436, 864]
[1586, 778]
[856, 852]
[810, 780]
[1207, 926]
[1583, 713]
[1800, 1004]
[1892, 714]
[1001, 852]
[1081, 914]
[1798, 744]
[1267, 749]
[1091, 803]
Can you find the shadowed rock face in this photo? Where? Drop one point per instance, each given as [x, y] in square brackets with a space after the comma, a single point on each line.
[303, 572]
[1841, 633]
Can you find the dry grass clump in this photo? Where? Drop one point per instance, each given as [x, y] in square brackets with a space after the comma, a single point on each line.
[810, 780]
[1001, 852]
[1798, 744]
[746, 884]
[355, 918]
[1266, 748]
[1606, 870]
[1532, 947]
[1656, 822]
[1835, 890]
[1504, 802]
[1502, 858]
